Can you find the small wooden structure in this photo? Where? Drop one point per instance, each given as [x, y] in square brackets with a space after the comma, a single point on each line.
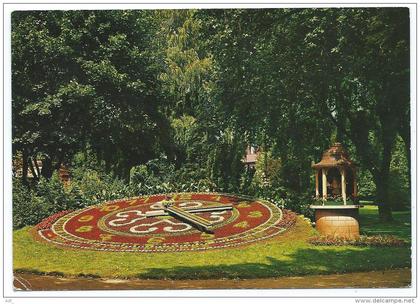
[250, 158]
[335, 175]
[335, 179]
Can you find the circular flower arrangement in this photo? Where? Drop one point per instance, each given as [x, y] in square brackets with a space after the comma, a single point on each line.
[166, 223]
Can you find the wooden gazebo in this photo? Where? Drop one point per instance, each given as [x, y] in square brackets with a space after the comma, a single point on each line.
[335, 174]
[335, 178]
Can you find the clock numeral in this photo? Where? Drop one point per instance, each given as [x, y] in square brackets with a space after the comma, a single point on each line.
[255, 214]
[84, 229]
[109, 208]
[207, 236]
[155, 240]
[105, 237]
[243, 204]
[243, 224]
[132, 202]
[85, 218]
[182, 196]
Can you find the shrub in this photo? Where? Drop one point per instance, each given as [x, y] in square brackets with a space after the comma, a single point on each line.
[49, 196]
[94, 187]
[289, 219]
[299, 203]
[52, 193]
[26, 209]
[45, 198]
[160, 176]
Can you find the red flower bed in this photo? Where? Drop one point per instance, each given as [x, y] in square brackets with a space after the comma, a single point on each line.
[47, 222]
[375, 240]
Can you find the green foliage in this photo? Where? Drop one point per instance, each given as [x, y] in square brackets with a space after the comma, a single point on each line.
[160, 176]
[366, 185]
[30, 206]
[26, 211]
[399, 185]
[49, 196]
[224, 164]
[334, 202]
[187, 74]
[267, 169]
[95, 187]
[170, 99]
[92, 74]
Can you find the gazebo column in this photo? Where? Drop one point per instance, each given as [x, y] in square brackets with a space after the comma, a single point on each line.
[324, 184]
[316, 183]
[343, 185]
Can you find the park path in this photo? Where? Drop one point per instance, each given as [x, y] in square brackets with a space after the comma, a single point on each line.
[375, 279]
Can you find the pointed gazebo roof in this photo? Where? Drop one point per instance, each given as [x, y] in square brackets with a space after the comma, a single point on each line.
[335, 156]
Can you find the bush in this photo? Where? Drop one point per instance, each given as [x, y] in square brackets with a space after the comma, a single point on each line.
[26, 209]
[94, 187]
[32, 205]
[160, 176]
[47, 197]
[299, 203]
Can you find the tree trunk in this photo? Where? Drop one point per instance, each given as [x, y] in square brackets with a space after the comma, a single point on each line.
[47, 169]
[31, 166]
[38, 172]
[382, 198]
[60, 160]
[382, 183]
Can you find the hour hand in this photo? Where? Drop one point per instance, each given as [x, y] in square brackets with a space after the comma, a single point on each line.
[195, 221]
[161, 212]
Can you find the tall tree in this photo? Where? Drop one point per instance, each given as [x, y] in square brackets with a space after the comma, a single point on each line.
[360, 61]
[86, 78]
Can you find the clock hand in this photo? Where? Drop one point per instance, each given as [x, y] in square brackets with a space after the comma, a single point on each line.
[161, 212]
[186, 214]
[196, 221]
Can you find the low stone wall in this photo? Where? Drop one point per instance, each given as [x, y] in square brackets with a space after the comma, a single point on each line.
[338, 222]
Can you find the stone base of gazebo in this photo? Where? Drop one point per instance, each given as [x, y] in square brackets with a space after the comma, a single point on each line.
[337, 221]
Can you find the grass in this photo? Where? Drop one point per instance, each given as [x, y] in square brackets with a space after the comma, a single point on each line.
[399, 227]
[286, 255]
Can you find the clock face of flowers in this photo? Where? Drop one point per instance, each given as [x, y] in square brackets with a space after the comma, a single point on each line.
[142, 225]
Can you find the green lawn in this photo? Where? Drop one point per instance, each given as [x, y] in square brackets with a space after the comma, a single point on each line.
[286, 255]
[370, 225]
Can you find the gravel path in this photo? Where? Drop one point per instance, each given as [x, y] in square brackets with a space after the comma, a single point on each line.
[374, 279]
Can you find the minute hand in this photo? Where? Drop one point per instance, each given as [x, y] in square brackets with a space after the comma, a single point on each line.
[196, 221]
[161, 212]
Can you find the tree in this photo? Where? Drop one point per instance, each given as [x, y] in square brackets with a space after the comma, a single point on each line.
[299, 76]
[360, 58]
[261, 88]
[86, 79]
